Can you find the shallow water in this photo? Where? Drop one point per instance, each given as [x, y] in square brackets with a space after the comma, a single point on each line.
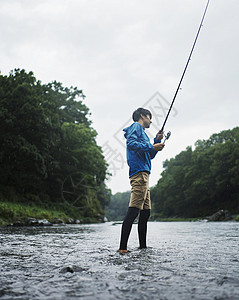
[194, 260]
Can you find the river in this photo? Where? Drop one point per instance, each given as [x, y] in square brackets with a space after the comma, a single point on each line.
[185, 260]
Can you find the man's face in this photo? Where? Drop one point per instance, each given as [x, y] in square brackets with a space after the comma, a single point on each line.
[146, 121]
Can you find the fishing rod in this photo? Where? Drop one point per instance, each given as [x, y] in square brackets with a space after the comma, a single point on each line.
[184, 71]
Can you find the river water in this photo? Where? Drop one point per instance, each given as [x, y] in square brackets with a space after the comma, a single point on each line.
[185, 260]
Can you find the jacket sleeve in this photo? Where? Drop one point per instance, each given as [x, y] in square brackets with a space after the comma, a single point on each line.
[135, 143]
[152, 151]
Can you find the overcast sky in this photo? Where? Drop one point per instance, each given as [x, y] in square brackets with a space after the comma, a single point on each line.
[128, 54]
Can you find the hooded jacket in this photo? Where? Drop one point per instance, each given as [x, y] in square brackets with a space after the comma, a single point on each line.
[139, 149]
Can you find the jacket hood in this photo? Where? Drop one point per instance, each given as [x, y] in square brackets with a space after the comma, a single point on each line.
[128, 129]
[132, 127]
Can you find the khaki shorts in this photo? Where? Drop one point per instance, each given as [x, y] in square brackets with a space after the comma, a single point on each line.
[140, 194]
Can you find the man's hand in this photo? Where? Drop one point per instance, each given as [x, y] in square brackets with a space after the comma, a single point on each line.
[159, 135]
[158, 146]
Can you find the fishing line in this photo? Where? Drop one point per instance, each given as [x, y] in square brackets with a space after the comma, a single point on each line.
[184, 71]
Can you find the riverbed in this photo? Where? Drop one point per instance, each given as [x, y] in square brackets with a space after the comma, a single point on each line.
[184, 260]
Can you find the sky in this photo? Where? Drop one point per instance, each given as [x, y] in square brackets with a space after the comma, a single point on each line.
[130, 54]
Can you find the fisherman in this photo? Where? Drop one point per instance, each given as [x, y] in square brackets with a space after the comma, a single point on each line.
[139, 154]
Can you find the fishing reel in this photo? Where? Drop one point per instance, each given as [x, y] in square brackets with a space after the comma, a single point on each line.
[166, 137]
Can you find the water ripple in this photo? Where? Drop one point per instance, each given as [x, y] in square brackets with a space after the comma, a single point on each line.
[185, 261]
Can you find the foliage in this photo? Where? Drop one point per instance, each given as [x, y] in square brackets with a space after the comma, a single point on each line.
[118, 206]
[15, 211]
[198, 183]
[47, 145]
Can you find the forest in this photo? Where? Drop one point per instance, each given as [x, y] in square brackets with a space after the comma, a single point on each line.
[195, 183]
[48, 151]
[198, 182]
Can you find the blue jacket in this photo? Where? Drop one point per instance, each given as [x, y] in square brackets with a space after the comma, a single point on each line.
[139, 149]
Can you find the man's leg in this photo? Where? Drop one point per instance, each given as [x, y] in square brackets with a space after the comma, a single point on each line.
[126, 226]
[139, 190]
[142, 227]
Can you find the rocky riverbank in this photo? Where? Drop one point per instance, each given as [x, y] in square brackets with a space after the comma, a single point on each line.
[221, 215]
[43, 222]
[20, 214]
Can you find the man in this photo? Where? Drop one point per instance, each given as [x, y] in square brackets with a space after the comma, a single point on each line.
[139, 154]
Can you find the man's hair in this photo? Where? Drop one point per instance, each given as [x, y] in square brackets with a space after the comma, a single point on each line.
[141, 111]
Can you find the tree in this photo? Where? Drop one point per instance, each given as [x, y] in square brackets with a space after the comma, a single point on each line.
[47, 144]
[118, 206]
[197, 183]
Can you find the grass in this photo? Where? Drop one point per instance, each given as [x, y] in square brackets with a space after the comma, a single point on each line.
[14, 207]
[11, 212]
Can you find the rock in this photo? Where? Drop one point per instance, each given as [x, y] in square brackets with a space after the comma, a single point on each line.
[18, 223]
[57, 221]
[31, 222]
[72, 269]
[100, 218]
[70, 221]
[44, 222]
[221, 215]
[66, 270]
[26, 222]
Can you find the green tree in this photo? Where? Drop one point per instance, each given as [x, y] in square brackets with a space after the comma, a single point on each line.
[118, 206]
[47, 145]
[197, 183]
